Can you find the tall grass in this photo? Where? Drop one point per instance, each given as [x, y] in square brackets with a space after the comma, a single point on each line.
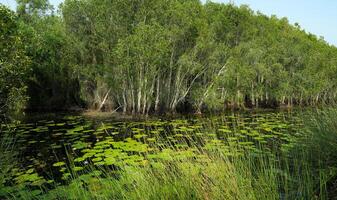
[307, 171]
[212, 177]
[7, 153]
[318, 147]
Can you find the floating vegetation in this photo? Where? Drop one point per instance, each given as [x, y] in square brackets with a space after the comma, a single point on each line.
[59, 164]
[144, 143]
[80, 145]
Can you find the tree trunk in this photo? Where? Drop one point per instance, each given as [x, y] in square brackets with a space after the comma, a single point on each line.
[133, 103]
[156, 106]
[140, 82]
[170, 75]
[125, 103]
[104, 100]
[144, 96]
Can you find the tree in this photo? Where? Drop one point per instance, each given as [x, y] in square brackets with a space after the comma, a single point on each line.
[165, 56]
[13, 64]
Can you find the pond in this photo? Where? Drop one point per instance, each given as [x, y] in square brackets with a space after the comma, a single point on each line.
[51, 149]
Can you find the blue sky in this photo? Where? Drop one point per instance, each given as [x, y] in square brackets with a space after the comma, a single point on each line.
[316, 16]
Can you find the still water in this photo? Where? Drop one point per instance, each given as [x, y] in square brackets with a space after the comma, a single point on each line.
[52, 148]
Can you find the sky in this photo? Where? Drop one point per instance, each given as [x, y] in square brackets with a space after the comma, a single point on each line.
[315, 16]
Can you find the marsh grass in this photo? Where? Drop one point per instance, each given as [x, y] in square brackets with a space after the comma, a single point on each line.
[7, 153]
[208, 175]
[319, 147]
[305, 171]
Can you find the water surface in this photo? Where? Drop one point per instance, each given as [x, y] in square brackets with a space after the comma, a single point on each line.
[52, 148]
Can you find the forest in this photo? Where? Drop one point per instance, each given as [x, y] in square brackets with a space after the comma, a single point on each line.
[158, 56]
[164, 100]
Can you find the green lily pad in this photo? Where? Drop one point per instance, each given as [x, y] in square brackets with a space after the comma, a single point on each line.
[59, 164]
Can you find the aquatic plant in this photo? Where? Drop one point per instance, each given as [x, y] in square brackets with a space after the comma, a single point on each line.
[230, 157]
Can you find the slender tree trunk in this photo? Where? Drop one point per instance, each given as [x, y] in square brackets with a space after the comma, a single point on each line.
[156, 106]
[124, 100]
[149, 101]
[317, 98]
[144, 97]
[104, 100]
[252, 95]
[206, 93]
[133, 103]
[170, 74]
[140, 82]
[176, 91]
[144, 103]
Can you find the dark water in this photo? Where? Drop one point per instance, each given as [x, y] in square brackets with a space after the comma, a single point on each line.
[51, 148]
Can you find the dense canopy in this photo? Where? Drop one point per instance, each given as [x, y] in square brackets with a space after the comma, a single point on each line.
[159, 56]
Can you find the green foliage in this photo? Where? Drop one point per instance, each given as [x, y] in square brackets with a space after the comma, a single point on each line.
[32, 7]
[238, 156]
[159, 56]
[163, 56]
[13, 64]
[52, 84]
